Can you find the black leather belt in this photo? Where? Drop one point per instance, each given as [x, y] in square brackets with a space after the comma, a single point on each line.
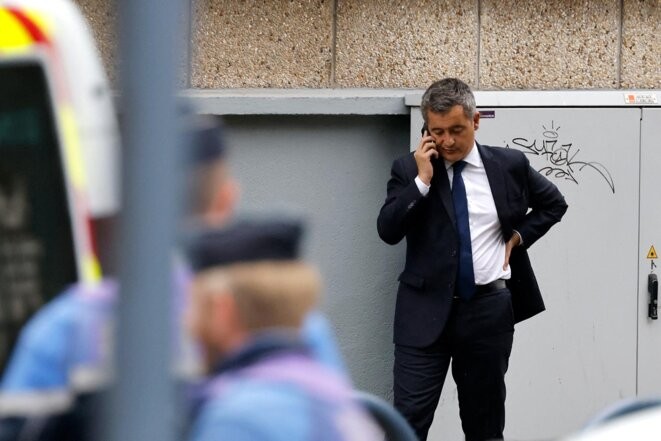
[490, 287]
[496, 285]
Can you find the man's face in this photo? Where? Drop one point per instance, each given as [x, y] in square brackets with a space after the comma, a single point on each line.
[225, 193]
[453, 132]
[205, 325]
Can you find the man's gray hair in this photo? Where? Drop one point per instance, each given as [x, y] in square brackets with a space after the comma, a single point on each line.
[444, 94]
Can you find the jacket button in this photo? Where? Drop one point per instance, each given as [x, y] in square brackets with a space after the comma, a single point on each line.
[453, 253]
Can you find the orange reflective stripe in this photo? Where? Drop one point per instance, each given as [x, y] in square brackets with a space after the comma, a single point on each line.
[30, 26]
[20, 29]
[12, 32]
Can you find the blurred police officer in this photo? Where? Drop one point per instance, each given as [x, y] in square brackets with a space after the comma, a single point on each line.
[62, 359]
[250, 297]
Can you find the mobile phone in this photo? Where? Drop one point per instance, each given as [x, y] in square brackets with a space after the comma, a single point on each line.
[424, 129]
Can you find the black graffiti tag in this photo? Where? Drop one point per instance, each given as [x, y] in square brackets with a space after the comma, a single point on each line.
[561, 157]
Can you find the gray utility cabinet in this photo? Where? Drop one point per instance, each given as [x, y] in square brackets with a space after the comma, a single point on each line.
[595, 343]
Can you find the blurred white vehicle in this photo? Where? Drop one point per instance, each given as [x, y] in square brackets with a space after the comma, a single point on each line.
[58, 156]
[632, 420]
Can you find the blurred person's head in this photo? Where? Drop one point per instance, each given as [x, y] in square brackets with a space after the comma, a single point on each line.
[211, 192]
[248, 281]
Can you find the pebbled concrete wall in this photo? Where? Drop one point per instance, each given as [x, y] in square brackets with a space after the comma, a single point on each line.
[491, 44]
[641, 44]
[555, 44]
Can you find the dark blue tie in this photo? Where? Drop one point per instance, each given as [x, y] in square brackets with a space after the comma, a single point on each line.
[465, 277]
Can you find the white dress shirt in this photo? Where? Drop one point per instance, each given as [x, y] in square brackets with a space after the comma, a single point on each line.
[487, 241]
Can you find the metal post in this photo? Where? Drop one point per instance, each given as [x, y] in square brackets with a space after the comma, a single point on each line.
[143, 401]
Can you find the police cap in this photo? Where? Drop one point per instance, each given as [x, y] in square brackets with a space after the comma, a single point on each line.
[245, 241]
[205, 140]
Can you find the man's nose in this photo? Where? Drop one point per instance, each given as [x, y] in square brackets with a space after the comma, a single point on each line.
[445, 141]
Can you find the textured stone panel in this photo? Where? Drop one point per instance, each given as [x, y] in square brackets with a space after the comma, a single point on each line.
[101, 15]
[405, 43]
[103, 18]
[253, 43]
[554, 44]
[641, 44]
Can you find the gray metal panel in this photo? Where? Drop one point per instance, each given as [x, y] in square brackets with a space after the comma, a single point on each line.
[649, 331]
[580, 355]
[335, 170]
[558, 98]
[489, 100]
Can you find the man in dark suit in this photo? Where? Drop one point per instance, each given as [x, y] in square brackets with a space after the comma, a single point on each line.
[468, 213]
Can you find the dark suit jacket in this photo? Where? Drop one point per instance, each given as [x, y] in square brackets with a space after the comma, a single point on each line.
[525, 201]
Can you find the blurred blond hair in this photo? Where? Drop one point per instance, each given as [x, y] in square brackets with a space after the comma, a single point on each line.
[269, 294]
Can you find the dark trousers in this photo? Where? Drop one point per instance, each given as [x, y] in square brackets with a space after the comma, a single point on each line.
[478, 340]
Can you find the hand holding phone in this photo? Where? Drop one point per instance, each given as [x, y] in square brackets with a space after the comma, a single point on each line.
[423, 154]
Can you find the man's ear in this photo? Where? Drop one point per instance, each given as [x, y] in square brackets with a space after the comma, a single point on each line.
[476, 120]
[228, 326]
[224, 310]
[224, 200]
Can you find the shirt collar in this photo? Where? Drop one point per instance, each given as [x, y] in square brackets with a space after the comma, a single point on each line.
[473, 158]
[262, 346]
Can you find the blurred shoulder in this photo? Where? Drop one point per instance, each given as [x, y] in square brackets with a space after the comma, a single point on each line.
[255, 410]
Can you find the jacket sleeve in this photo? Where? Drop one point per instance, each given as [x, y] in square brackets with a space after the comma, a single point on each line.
[41, 359]
[400, 206]
[547, 206]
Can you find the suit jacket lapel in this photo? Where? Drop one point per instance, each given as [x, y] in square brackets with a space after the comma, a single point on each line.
[498, 188]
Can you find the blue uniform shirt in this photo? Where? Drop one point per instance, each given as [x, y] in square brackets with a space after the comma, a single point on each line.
[273, 390]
